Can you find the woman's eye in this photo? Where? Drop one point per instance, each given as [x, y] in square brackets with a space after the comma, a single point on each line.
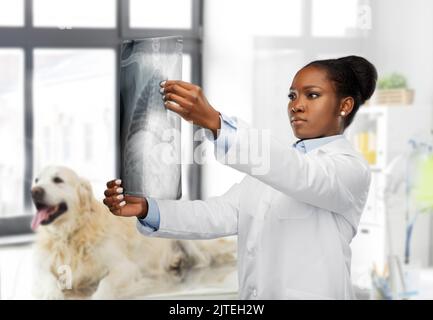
[57, 180]
[291, 96]
[313, 95]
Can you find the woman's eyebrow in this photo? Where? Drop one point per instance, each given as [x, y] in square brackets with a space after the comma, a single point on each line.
[306, 87]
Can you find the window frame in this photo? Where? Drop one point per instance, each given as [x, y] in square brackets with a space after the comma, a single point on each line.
[29, 38]
[313, 45]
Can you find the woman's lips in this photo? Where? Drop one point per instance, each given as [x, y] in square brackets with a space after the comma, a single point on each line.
[297, 121]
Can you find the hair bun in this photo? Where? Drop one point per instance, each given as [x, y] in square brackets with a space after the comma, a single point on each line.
[365, 73]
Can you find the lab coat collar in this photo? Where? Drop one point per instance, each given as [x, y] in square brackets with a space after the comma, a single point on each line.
[307, 145]
[341, 146]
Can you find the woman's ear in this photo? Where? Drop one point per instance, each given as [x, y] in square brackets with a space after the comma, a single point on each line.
[346, 106]
[85, 194]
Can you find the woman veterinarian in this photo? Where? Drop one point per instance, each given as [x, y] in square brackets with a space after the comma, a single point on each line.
[295, 221]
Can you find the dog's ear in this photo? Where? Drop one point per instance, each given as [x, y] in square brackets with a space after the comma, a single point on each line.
[85, 194]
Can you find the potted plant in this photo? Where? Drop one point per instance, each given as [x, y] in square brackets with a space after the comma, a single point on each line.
[392, 90]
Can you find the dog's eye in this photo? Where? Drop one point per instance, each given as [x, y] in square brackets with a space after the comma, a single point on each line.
[57, 180]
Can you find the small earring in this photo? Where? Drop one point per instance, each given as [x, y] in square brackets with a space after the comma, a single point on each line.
[343, 113]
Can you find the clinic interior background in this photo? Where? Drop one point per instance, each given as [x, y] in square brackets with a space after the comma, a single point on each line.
[59, 94]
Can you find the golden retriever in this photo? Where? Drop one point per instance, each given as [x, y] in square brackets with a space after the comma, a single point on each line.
[82, 250]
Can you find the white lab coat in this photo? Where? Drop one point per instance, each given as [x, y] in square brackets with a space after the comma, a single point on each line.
[294, 223]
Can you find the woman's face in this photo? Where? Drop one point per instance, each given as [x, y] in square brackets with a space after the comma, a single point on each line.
[315, 104]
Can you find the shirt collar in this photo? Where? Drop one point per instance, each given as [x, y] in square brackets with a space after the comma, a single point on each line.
[307, 145]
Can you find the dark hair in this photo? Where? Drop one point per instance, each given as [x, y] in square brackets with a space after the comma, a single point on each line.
[352, 76]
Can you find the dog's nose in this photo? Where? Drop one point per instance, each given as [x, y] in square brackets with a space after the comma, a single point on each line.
[38, 193]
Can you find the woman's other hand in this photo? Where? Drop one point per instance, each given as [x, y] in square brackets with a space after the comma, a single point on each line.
[123, 205]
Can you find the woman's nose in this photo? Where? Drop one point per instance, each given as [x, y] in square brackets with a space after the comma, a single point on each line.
[293, 108]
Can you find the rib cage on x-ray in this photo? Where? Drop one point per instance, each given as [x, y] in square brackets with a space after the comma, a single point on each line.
[150, 134]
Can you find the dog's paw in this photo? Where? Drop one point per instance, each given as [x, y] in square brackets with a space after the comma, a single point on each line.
[177, 263]
[48, 293]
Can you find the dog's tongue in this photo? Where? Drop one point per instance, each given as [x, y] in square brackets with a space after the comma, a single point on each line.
[40, 216]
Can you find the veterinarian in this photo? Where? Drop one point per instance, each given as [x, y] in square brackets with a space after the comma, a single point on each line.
[294, 222]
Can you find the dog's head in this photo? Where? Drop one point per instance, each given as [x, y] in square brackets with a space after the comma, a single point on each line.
[58, 193]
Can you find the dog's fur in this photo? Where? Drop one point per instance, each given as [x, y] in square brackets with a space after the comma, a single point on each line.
[87, 251]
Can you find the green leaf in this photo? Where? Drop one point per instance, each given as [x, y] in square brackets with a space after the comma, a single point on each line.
[392, 81]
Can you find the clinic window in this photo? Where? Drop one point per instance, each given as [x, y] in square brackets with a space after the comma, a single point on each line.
[58, 88]
[11, 13]
[11, 131]
[74, 13]
[161, 14]
[74, 118]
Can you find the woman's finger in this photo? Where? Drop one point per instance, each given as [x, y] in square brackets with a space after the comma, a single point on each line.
[176, 89]
[112, 183]
[184, 103]
[173, 106]
[115, 199]
[108, 202]
[116, 208]
[116, 211]
[183, 84]
[112, 191]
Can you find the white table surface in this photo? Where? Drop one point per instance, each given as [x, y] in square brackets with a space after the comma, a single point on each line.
[16, 278]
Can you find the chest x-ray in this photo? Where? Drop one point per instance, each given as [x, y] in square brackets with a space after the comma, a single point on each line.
[150, 133]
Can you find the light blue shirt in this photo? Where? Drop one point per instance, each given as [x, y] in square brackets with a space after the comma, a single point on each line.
[223, 141]
[307, 145]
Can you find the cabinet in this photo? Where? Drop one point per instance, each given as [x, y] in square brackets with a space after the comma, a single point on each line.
[382, 133]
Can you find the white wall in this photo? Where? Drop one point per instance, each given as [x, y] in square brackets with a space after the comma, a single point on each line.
[402, 41]
[239, 81]
[230, 66]
[227, 56]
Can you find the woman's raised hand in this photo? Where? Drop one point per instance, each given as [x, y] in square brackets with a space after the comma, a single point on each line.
[189, 101]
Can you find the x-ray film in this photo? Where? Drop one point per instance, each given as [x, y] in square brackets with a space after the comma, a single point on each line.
[149, 133]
